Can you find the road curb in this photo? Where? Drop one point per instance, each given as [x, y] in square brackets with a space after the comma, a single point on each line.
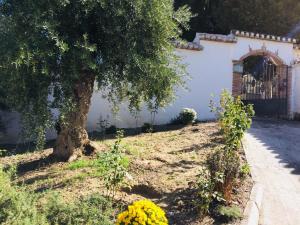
[253, 207]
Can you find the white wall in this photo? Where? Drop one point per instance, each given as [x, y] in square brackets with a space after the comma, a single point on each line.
[210, 72]
[296, 88]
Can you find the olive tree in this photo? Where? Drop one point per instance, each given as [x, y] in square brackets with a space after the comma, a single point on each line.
[54, 53]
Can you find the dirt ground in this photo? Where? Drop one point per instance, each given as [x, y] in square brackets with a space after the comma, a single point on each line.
[163, 167]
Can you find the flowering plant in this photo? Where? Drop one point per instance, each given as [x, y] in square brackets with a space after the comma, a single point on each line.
[142, 212]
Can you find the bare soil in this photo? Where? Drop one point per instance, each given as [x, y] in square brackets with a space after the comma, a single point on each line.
[163, 167]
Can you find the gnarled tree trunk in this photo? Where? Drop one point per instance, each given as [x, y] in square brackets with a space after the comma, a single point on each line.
[72, 140]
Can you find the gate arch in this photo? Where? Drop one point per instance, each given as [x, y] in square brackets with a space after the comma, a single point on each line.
[263, 82]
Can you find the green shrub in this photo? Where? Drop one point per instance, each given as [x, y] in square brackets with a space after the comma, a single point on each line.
[185, 117]
[207, 193]
[223, 166]
[147, 128]
[226, 163]
[17, 206]
[244, 170]
[114, 165]
[92, 210]
[234, 118]
[229, 213]
[21, 207]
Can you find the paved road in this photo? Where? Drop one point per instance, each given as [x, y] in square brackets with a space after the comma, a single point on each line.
[273, 152]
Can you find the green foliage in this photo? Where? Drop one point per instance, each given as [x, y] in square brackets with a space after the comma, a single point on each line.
[185, 117]
[234, 118]
[54, 47]
[81, 163]
[244, 170]
[21, 207]
[147, 128]
[223, 166]
[264, 16]
[114, 165]
[92, 210]
[227, 163]
[207, 192]
[17, 206]
[229, 212]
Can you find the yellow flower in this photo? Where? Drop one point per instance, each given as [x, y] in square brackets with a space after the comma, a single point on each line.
[143, 212]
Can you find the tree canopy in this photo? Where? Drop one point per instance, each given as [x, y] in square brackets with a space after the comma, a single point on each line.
[51, 52]
[277, 17]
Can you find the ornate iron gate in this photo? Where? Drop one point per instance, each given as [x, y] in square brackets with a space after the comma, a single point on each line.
[267, 89]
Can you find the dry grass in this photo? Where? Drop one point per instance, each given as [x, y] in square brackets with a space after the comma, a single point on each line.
[164, 166]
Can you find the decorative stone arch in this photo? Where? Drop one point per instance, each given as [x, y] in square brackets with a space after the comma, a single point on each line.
[264, 52]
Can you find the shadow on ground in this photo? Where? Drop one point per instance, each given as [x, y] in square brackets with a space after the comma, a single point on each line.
[282, 138]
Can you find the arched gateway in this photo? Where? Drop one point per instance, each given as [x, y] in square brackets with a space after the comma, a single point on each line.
[261, 78]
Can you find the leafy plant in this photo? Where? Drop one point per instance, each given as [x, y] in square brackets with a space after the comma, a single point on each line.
[226, 163]
[185, 117]
[234, 119]
[114, 165]
[229, 213]
[244, 170]
[17, 206]
[207, 192]
[91, 210]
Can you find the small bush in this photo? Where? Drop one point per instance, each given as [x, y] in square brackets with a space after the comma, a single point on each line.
[226, 163]
[92, 210]
[17, 206]
[114, 166]
[234, 118]
[185, 117]
[142, 212]
[147, 128]
[229, 213]
[21, 207]
[244, 170]
[207, 193]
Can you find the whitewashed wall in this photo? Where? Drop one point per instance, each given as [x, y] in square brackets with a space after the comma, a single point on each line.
[296, 88]
[210, 72]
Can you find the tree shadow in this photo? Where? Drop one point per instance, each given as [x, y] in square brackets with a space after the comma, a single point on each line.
[35, 164]
[21, 148]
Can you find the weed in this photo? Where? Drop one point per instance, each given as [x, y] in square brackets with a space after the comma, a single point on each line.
[114, 165]
[229, 213]
[244, 170]
[92, 210]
